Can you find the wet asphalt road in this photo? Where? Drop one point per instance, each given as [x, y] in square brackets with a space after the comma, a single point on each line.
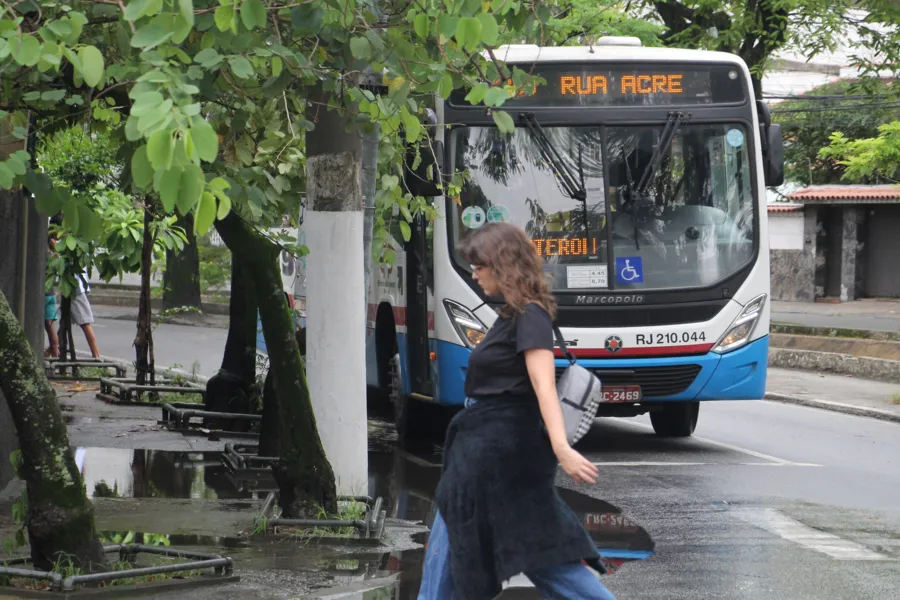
[787, 502]
[767, 501]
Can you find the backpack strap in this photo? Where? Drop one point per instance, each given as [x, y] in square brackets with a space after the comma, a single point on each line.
[561, 342]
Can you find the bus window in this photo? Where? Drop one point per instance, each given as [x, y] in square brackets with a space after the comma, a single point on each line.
[508, 179]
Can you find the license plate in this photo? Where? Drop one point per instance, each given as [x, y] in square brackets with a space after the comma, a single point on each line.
[624, 393]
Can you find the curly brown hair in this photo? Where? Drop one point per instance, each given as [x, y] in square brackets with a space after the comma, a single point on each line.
[519, 269]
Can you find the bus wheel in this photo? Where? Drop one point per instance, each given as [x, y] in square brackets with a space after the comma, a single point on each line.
[677, 419]
[407, 413]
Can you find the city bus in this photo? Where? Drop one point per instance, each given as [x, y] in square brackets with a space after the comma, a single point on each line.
[639, 174]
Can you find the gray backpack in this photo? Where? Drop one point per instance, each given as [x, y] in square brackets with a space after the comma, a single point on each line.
[579, 394]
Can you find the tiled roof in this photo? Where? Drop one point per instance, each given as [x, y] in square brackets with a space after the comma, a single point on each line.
[864, 194]
[784, 207]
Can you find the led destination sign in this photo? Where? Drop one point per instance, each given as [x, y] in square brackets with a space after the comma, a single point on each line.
[626, 85]
[547, 247]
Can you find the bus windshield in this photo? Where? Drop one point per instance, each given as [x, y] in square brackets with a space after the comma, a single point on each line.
[611, 207]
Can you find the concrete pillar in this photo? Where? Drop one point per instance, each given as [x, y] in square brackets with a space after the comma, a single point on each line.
[810, 274]
[335, 298]
[850, 218]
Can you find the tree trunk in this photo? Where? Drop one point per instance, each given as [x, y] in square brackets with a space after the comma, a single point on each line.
[233, 389]
[60, 517]
[240, 347]
[143, 341]
[181, 281]
[304, 475]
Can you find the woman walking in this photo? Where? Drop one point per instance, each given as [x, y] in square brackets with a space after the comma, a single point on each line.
[499, 511]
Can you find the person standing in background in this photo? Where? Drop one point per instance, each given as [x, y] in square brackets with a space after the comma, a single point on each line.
[80, 312]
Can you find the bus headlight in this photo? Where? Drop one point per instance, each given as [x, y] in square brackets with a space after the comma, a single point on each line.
[471, 331]
[742, 328]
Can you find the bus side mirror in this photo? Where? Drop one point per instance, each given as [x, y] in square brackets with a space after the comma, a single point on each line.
[774, 156]
[425, 179]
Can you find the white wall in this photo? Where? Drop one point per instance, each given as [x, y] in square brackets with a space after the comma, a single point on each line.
[786, 231]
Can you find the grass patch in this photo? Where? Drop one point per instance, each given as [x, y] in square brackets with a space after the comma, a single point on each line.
[172, 397]
[895, 398]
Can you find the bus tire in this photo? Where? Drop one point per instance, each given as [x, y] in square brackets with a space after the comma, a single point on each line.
[676, 419]
[408, 413]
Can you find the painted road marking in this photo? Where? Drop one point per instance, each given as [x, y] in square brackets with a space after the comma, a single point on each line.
[731, 447]
[775, 521]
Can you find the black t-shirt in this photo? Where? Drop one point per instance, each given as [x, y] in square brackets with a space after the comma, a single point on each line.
[497, 365]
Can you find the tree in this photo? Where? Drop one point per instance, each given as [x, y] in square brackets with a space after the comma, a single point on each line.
[212, 95]
[873, 160]
[756, 29]
[60, 517]
[809, 121]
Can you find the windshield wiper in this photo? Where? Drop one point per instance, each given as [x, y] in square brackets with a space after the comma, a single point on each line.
[571, 182]
[640, 201]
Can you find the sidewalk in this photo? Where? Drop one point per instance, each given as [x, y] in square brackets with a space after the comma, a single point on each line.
[871, 315]
[838, 393]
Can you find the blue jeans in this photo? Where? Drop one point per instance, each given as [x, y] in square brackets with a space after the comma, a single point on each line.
[558, 582]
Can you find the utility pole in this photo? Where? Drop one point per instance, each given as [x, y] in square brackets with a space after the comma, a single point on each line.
[336, 295]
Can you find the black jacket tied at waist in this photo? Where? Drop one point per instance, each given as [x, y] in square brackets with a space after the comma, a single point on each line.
[498, 497]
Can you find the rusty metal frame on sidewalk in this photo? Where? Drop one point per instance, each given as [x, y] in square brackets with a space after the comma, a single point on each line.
[370, 528]
[222, 566]
[55, 368]
[176, 416]
[129, 387]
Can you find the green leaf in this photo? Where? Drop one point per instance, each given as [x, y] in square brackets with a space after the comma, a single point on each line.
[47, 203]
[74, 221]
[446, 86]
[205, 139]
[6, 176]
[361, 48]
[26, 51]
[224, 206]
[90, 224]
[477, 93]
[277, 65]
[192, 182]
[150, 36]
[241, 67]
[253, 14]
[490, 32]
[225, 18]
[91, 65]
[186, 7]
[422, 25]
[141, 169]
[205, 214]
[495, 96]
[209, 58]
[160, 147]
[411, 124]
[136, 9]
[405, 230]
[468, 33]
[503, 121]
[169, 185]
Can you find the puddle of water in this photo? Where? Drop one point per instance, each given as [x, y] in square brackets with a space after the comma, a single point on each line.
[406, 481]
[160, 474]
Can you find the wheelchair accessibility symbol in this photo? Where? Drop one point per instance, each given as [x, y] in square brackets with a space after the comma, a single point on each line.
[629, 269]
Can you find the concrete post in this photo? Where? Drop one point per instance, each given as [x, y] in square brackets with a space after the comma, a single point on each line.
[336, 365]
[850, 217]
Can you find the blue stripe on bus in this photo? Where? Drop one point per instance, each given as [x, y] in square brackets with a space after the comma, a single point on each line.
[738, 375]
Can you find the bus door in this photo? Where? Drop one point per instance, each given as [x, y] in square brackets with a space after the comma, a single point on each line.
[416, 281]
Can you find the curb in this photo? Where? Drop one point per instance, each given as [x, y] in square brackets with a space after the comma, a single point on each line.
[847, 409]
[863, 367]
[128, 364]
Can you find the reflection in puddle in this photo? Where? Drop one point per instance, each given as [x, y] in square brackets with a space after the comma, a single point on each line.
[128, 473]
[405, 481]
